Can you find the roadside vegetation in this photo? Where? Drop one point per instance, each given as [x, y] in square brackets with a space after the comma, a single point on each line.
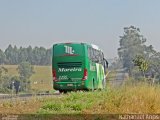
[130, 98]
[37, 78]
[139, 98]
[141, 61]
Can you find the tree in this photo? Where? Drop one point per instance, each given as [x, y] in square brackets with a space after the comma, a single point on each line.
[48, 57]
[23, 55]
[154, 67]
[36, 56]
[25, 70]
[15, 59]
[131, 44]
[142, 64]
[42, 53]
[4, 80]
[30, 55]
[9, 54]
[2, 57]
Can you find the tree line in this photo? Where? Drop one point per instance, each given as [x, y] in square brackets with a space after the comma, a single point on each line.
[36, 56]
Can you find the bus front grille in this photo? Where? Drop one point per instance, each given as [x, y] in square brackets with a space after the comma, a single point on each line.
[69, 64]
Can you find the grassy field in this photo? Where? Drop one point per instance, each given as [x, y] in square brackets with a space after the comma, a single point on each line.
[41, 80]
[139, 98]
[136, 99]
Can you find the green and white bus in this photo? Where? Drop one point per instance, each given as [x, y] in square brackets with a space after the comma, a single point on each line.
[78, 66]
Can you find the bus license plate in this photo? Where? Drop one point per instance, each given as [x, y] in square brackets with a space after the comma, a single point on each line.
[69, 84]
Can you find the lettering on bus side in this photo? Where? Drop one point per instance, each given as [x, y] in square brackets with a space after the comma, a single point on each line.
[68, 49]
[69, 69]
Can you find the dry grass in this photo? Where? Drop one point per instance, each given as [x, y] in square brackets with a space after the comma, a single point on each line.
[19, 106]
[141, 99]
[136, 99]
[42, 78]
[12, 69]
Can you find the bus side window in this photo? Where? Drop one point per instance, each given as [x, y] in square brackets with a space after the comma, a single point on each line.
[91, 54]
[99, 57]
[96, 56]
[91, 57]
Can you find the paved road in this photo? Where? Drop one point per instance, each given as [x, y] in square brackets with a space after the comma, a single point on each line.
[119, 78]
[24, 97]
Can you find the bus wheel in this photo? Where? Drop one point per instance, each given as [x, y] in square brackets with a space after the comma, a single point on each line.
[93, 85]
[62, 91]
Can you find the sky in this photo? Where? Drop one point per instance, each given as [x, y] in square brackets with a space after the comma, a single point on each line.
[100, 22]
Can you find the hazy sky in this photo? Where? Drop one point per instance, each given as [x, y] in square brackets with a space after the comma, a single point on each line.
[45, 22]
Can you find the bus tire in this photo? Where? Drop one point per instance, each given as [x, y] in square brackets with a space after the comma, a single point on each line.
[62, 91]
[93, 85]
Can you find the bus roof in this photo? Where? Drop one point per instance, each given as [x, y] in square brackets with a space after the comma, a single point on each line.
[92, 45]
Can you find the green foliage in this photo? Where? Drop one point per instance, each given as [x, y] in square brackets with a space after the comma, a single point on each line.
[3, 71]
[2, 57]
[134, 53]
[25, 70]
[131, 44]
[141, 63]
[53, 106]
[4, 80]
[36, 56]
[154, 67]
[130, 98]
[15, 78]
[74, 102]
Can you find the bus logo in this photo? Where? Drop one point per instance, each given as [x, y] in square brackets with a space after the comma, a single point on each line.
[69, 50]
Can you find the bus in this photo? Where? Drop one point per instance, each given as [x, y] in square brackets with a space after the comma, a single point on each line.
[78, 66]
